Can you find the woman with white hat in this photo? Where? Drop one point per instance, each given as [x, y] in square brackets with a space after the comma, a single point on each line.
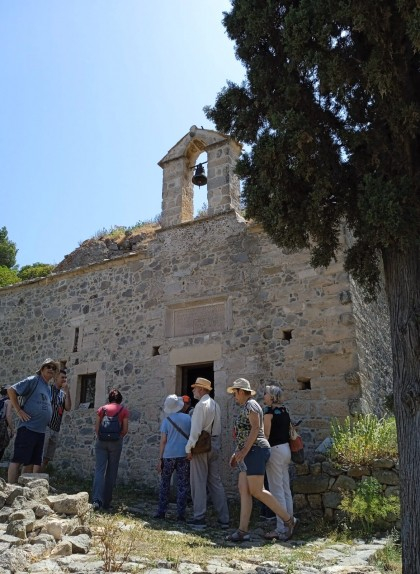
[175, 430]
[250, 457]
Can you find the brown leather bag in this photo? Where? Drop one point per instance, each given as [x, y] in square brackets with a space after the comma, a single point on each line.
[203, 443]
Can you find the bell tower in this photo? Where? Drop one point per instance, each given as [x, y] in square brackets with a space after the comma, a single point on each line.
[222, 184]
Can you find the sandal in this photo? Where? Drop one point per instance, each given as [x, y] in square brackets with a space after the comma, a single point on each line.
[238, 536]
[272, 535]
[290, 525]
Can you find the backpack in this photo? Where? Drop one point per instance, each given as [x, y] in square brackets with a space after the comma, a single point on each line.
[110, 427]
[4, 427]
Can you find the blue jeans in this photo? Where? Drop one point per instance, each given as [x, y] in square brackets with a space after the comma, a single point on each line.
[107, 460]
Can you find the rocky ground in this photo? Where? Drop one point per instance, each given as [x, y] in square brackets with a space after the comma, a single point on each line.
[42, 533]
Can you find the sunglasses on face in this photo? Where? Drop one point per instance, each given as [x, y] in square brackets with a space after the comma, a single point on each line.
[52, 367]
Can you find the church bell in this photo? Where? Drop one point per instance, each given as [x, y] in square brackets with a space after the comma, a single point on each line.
[199, 178]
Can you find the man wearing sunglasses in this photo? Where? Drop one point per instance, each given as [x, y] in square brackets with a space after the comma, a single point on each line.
[34, 415]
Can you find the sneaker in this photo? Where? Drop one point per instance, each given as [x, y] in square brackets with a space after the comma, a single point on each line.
[197, 524]
[223, 525]
[96, 505]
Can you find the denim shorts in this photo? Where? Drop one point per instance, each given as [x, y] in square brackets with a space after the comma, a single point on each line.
[255, 461]
[28, 447]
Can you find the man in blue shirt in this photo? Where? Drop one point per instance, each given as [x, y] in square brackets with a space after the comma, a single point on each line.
[34, 416]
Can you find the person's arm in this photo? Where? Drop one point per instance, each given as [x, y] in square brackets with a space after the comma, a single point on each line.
[67, 399]
[267, 424]
[254, 420]
[13, 396]
[9, 417]
[197, 423]
[97, 424]
[124, 427]
[163, 441]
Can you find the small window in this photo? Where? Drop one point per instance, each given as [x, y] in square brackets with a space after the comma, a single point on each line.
[304, 383]
[87, 390]
[76, 339]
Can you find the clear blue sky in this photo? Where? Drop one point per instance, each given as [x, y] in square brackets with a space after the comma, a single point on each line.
[93, 94]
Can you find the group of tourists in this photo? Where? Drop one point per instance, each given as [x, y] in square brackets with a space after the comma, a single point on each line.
[262, 448]
[189, 446]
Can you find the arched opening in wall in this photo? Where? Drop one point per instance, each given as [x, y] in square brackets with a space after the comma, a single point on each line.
[200, 202]
[190, 373]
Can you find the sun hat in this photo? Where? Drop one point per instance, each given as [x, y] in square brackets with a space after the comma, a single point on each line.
[202, 383]
[241, 384]
[173, 404]
[48, 361]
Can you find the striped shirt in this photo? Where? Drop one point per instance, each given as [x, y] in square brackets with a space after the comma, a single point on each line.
[58, 397]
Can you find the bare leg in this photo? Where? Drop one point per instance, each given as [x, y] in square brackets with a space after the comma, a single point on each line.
[13, 472]
[28, 468]
[37, 468]
[256, 489]
[246, 502]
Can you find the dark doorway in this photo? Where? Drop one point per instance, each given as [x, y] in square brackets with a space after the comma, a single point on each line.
[190, 373]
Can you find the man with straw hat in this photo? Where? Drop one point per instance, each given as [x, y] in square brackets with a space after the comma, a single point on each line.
[204, 468]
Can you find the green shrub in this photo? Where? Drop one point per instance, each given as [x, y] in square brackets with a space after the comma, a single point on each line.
[35, 270]
[368, 506]
[361, 439]
[8, 276]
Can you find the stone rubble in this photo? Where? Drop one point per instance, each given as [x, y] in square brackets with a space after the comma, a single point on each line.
[45, 533]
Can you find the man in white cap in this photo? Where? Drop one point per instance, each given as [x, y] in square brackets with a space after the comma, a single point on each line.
[34, 415]
[204, 469]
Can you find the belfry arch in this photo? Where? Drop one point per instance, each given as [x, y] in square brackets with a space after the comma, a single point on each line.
[222, 184]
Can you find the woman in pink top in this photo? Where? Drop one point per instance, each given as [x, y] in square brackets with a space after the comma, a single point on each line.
[110, 428]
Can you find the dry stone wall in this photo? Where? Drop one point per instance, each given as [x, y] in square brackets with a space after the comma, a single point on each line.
[211, 291]
[318, 488]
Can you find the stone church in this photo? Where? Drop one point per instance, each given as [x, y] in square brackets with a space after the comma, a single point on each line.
[209, 296]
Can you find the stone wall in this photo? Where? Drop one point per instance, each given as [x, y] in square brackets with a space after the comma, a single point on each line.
[375, 354]
[211, 291]
[318, 488]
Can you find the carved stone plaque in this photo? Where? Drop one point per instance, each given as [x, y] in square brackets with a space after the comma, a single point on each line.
[196, 319]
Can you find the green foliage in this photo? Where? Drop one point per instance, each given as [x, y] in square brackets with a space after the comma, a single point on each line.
[368, 506]
[388, 558]
[330, 108]
[8, 276]
[34, 271]
[8, 250]
[361, 439]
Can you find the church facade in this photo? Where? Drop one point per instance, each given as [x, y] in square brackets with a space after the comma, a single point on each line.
[210, 297]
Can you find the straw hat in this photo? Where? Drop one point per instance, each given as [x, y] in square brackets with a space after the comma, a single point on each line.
[241, 384]
[202, 383]
[48, 361]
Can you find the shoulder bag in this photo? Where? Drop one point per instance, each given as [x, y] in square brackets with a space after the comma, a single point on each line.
[296, 446]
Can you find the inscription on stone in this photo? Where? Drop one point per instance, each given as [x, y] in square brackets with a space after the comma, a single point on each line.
[195, 320]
